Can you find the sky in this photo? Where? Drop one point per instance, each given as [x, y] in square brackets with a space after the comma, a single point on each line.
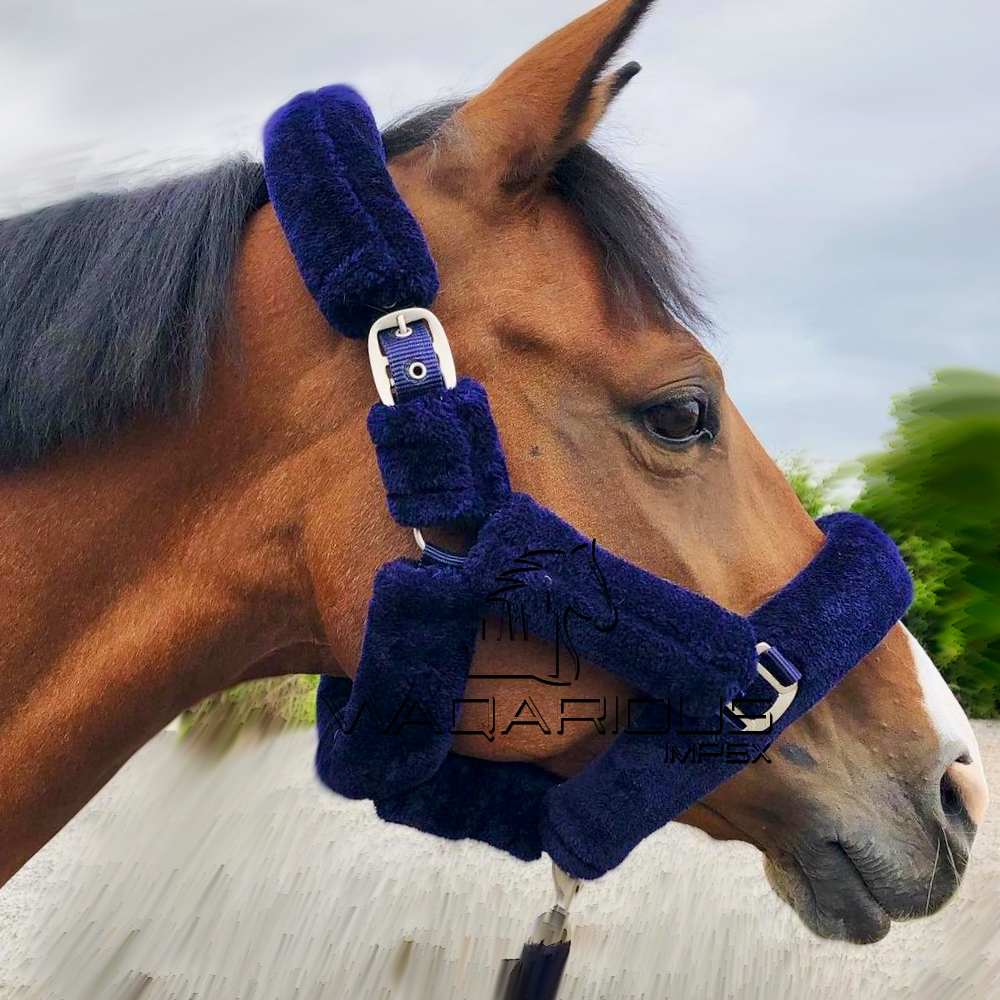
[834, 165]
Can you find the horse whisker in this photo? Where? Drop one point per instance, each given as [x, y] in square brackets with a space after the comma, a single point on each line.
[930, 888]
[951, 857]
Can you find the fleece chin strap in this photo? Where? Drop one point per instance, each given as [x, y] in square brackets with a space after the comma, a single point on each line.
[718, 687]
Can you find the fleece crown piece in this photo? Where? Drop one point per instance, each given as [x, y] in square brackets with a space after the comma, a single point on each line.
[357, 246]
[388, 736]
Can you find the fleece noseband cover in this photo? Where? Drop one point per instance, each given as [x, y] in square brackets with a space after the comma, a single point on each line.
[388, 736]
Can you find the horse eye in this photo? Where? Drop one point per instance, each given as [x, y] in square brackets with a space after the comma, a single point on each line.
[677, 421]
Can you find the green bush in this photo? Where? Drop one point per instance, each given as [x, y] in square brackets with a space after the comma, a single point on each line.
[256, 708]
[815, 492]
[936, 490]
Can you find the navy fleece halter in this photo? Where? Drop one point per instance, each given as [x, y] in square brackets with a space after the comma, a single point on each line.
[388, 736]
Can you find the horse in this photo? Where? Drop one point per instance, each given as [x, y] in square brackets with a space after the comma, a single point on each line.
[190, 501]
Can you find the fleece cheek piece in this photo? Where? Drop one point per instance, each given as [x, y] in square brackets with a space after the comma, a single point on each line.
[440, 457]
[394, 731]
[362, 254]
[468, 798]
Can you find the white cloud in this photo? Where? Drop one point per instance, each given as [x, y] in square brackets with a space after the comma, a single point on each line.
[833, 163]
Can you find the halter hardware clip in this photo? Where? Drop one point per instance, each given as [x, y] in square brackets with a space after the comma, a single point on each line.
[781, 675]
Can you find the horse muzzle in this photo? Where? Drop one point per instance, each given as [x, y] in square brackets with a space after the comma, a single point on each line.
[849, 878]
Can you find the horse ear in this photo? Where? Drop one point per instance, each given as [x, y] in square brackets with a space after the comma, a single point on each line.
[548, 101]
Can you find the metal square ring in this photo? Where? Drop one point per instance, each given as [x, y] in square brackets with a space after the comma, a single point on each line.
[785, 696]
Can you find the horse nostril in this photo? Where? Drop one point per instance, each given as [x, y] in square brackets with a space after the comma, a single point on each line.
[951, 797]
[964, 793]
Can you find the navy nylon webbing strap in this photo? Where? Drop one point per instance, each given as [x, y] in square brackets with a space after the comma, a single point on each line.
[413, 363]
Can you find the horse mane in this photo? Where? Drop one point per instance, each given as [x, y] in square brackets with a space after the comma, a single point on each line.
[110, 303]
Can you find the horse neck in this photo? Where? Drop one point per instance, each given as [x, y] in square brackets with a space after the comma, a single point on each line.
[141, 573]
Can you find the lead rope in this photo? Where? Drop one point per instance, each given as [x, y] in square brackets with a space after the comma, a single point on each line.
[537, 974]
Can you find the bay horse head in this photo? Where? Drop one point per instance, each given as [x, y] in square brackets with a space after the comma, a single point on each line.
[568, 303]
[152, 555]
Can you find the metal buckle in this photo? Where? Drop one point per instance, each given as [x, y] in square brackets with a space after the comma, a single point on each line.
[400, 319]
[785, 692]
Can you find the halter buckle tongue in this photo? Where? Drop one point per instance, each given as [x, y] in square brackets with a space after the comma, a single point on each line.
[781, 675]
[409, 354]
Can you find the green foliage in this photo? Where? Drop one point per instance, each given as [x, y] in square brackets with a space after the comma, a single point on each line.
[815, 492]
[255, 708]
[936, 491]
